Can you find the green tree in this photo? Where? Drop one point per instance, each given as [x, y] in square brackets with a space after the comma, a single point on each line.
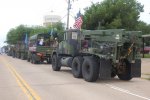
[142, 26]
[112, 14]
[18, 34]
[11, 36]
[145, 28]
[38, 29]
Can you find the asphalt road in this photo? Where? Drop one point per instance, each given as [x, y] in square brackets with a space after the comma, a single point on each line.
[21, 80]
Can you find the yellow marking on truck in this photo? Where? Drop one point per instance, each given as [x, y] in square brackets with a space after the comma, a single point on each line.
[31, 94]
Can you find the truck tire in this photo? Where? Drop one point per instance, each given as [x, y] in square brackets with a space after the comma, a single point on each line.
[34, 61]
[22, 56]
[56, 63]
[90, 69]
[28, 59]
[31, 58]
[127, 74]
[18, 55]
[77, 67]
[113, 74]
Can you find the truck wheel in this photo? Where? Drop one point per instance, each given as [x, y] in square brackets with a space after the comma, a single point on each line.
[31, 58]
[113, 74]
[28, 59]
[90, 69]
[77, 67]
[34, 59]
[22, 56]
[127, 73]
[56, 63]
[18, 55]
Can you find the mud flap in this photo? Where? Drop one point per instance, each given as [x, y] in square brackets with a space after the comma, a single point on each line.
[136, 68]
[105, 69]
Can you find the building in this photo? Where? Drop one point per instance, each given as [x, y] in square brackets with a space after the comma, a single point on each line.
[51, 19]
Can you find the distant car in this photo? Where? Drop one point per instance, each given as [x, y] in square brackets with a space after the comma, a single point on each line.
[146, 50]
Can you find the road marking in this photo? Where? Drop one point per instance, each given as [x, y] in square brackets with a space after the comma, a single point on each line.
[127, 91]
[31, 94]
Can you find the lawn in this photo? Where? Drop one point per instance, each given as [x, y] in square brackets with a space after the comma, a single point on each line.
[146, 55]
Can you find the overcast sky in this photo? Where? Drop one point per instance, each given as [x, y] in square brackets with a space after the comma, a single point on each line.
[31, 12]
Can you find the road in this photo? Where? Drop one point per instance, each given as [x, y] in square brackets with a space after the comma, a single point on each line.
[21, 80]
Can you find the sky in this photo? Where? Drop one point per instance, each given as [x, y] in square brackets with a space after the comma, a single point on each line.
[31, 12]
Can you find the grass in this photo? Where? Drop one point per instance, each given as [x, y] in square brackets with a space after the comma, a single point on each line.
[146, 76]
[146, 55]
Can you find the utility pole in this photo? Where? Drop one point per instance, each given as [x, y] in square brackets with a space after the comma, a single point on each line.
[51, 21]
[68, 12]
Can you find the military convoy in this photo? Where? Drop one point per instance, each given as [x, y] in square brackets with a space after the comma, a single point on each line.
[21, 50]
[37, 50]
[10, 50]
[94, 54]
[91, 54]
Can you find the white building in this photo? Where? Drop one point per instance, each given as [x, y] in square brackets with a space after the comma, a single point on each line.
[51, 19]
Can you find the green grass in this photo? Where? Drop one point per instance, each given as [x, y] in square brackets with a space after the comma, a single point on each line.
[146, 55]
[146, 76]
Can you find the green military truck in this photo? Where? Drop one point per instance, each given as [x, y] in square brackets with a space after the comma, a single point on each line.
[103, 54]
[10, 50]
[21, 50]
[40, 48]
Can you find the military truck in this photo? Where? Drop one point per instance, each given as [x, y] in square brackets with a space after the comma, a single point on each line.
[21, 50]
[40, 48]
[10, 50]
[103, 54]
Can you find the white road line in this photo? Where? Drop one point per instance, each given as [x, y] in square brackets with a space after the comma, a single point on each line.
[126, 91]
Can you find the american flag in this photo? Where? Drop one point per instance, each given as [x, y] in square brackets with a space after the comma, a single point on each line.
[78, 21]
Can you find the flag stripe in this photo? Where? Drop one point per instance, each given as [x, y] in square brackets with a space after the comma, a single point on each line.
[78, 22]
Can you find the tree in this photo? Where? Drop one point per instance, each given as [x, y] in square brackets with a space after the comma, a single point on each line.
[18, 34]
[145, 28]
[11, 37]
[112, 14]
[142, 26]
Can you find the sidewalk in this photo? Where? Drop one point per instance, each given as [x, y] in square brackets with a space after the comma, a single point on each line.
[145, 68]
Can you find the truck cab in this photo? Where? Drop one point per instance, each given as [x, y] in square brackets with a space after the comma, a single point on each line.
[99, 53]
